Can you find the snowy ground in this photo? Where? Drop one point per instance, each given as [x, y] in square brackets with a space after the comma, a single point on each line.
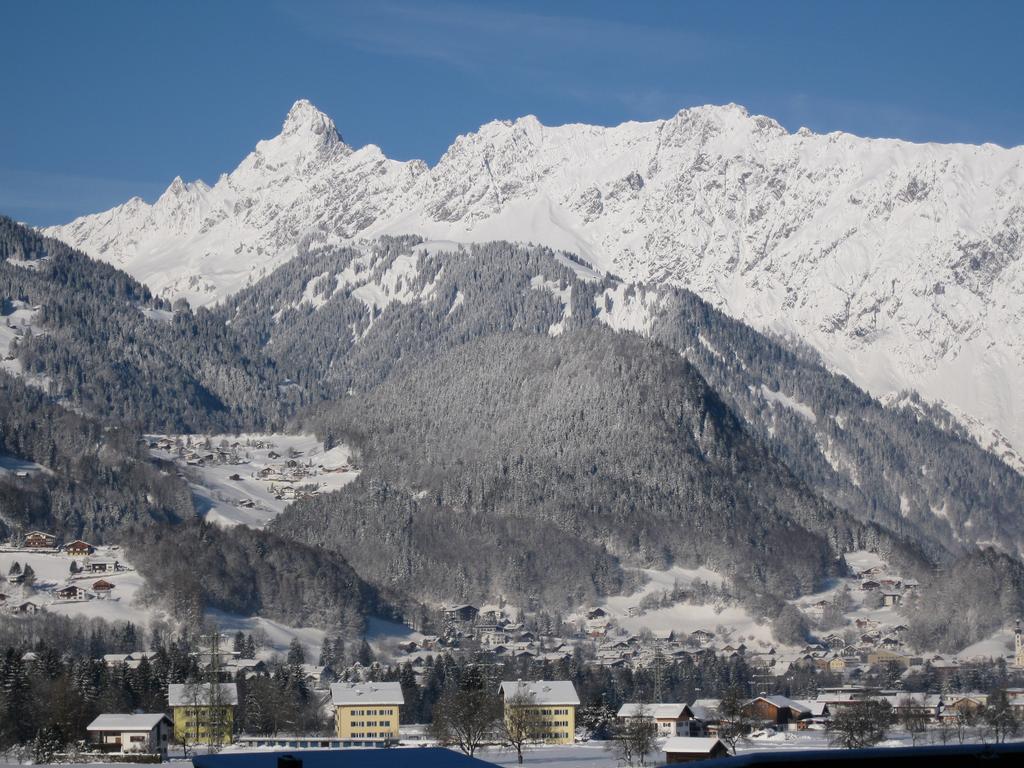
[9, 465]
[225, 501]
[858, 561]
[998, 645]
[740, 625]
[596, 754]
[52, 571]
[20, 321]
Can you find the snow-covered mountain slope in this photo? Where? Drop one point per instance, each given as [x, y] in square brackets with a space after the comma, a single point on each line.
[902, 263]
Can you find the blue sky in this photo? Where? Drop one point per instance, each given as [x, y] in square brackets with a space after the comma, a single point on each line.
[105, 100]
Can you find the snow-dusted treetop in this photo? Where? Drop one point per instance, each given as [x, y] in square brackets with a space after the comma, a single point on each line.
[901, 262]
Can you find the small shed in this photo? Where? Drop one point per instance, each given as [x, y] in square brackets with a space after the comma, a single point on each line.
[688, 749]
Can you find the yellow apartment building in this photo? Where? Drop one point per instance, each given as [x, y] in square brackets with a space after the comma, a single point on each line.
[202, 718]
[553, 703]
[367, 711]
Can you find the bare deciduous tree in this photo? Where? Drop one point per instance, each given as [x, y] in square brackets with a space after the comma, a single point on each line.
[522, 723]
[466, 719]
[634, 739]
[863, 724]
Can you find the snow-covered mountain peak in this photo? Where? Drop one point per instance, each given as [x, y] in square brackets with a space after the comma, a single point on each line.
[304, 118]
[180, 191]
[903, 263]
[307, 140]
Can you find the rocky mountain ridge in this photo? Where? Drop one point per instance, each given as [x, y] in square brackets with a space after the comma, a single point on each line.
[901, 263]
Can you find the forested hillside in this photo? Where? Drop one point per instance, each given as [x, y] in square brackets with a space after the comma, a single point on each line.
[93, 480]
[524, 426]
[106, 345]
[525, 464]
[104, 360]
[197, 566]
[907, 468]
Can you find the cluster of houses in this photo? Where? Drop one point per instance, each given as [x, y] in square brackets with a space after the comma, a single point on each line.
[865, 646]
[202, 453]
[365, 714]
[368, 713]
[288, 477]
[86, 579]
[891, 589]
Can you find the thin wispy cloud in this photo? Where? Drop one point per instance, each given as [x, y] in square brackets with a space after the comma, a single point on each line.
[555, 51]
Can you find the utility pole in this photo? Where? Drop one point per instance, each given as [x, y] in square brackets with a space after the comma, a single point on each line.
[215, 708]
[658, 672]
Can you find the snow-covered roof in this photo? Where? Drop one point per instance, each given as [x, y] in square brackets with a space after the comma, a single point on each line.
[343, 694]
[816, 708]
[126, 722]
[705, 709]
[657, 711]
[784, 701]
[558, 692]
[690, 745]
[189, 694]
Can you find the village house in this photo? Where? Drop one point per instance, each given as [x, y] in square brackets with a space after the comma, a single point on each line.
[460, 616]
[245, 667]
[944, 669]
[682, 749]
[489, 618]
[776, 710]
[102, 588]
[203, 714]
[837, 664]
[39, 540]
[669, 719]
[883, 656]
[891, 597]
[702, 636]
[927, 705]
[27, 608]
[130, 734]
[319, 677]
[553, 702]
[963, 703]
[102, 565]
[367, 712]
[78, 548]
[72, 592]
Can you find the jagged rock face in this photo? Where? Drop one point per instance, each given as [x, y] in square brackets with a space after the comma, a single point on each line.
[902, 263]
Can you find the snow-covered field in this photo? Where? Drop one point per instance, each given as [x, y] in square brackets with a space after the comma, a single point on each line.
[230, 491]
[52, 571]
[13, 326]
[998, 645]
[684, 617]
[596, 754]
